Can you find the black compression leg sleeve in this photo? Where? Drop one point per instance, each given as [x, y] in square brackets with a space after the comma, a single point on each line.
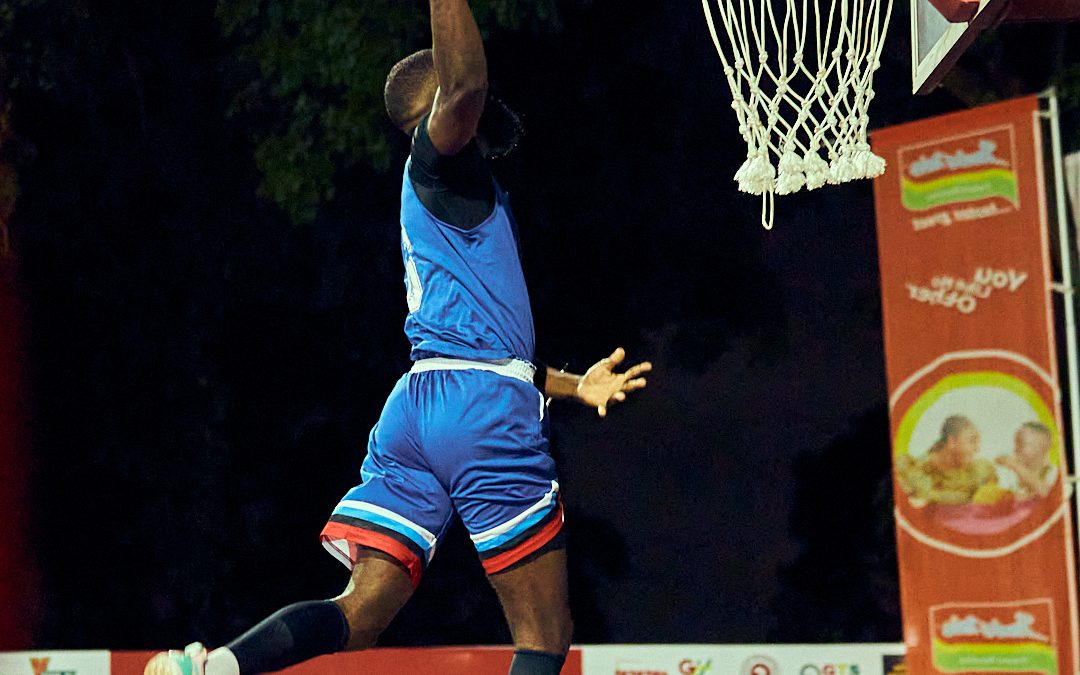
[290, 635]
[527, 662]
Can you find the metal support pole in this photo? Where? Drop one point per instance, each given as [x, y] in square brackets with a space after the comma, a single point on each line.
[1065, 252]
[1052, 115]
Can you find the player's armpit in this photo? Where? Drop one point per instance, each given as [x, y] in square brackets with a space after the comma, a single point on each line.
[454, 117]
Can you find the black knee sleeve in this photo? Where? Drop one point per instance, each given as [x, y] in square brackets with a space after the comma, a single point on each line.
[290, 635]
[527, 662]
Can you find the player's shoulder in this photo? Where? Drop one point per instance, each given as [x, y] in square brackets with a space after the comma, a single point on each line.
[427, 164]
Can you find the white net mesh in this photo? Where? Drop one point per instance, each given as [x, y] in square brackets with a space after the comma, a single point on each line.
[801, 75]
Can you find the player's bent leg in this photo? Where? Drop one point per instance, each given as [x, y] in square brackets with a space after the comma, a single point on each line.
[288, 636]
[378, 589]
[536, 603]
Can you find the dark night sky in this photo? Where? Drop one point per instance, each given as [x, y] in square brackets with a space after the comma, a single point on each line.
[203, 373]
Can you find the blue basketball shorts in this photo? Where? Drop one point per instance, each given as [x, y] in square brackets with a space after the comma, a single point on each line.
[453, 439]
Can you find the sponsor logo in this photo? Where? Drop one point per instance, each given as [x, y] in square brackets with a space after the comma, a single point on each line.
[686, 667]
[971, 625]
[693, 667]
[983, 638]
[635, 669]
[830, 669]
[893, 664]
[960, 179]
[759, 665]
[41, 667]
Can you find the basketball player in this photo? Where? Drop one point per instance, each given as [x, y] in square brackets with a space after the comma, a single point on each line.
[465, 431]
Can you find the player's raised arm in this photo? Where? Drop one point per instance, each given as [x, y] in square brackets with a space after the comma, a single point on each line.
[461, 68]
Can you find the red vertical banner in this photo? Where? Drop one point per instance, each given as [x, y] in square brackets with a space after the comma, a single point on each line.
[983, 524]
[18, 602]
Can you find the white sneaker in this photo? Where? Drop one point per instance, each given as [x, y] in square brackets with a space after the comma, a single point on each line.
[191, 661]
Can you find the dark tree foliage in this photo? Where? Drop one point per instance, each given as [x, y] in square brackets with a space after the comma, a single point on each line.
[314, 102]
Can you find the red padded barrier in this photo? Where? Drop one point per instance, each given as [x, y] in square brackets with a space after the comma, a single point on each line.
[422, 661]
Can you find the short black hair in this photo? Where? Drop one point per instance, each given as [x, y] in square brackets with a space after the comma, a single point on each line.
[405, 82]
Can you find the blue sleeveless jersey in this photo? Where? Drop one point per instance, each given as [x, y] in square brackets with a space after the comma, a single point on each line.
[465, 288]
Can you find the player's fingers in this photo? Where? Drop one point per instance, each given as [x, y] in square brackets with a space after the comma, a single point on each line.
[631, 385]
[601, 410]
[638, 369]
[616, 356]
[619, 396]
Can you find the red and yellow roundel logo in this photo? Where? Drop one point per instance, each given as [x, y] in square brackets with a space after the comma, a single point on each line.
[977, 453]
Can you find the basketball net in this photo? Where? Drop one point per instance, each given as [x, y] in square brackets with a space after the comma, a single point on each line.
[802, 81]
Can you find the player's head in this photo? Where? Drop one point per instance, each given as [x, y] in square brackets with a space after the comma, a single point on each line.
[410, 93]
[410, 89]
[959, 439]
[1032, 443]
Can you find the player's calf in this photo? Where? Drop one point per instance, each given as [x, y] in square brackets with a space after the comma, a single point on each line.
[534, 599]
[528, 662]
[288, 636]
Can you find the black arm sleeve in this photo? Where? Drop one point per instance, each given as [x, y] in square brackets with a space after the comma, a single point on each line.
[456, 189]
[540, 377]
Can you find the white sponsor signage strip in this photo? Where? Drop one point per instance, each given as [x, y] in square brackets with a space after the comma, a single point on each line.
[56, 662]
[834, 659]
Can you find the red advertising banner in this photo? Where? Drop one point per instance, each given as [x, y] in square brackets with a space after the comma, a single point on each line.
[983, 525]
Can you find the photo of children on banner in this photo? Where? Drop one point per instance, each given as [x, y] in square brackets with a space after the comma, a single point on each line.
[971, 493]
[1028, 472]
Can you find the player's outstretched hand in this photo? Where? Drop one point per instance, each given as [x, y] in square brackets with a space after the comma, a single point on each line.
[601, 386]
